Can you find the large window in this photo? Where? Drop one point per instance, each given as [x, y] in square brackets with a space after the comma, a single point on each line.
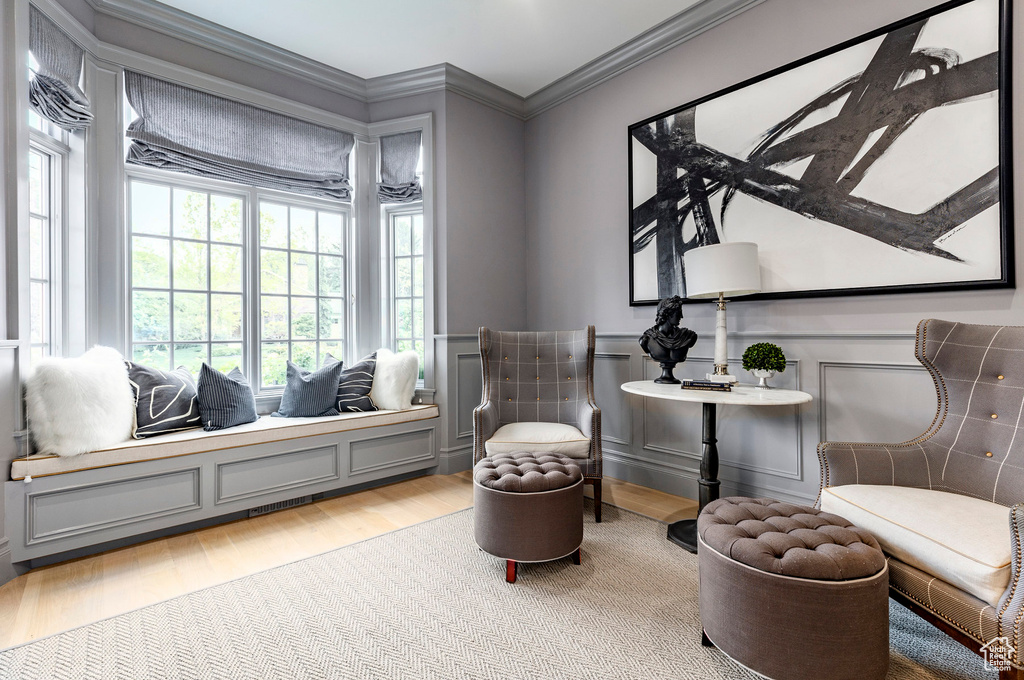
[405, 244]
[202, 257]
[47, 156]
[302, 287]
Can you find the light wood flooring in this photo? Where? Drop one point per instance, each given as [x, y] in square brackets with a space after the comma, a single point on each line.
[51, 599]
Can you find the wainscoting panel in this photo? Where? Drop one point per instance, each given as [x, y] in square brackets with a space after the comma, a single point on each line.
[377, 457]
[469, 382]
[611, 369]
[257, 476]
[874, 402]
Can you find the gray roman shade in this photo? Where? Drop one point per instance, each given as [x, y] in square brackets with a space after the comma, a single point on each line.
[399, 156]
[186, 130]
[53, 91]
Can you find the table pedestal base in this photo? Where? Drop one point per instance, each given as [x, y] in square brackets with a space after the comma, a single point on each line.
[684, 534]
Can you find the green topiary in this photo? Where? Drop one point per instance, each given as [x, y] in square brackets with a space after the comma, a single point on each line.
[765, 356]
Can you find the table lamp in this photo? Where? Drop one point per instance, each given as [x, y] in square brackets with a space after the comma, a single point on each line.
[716, 271]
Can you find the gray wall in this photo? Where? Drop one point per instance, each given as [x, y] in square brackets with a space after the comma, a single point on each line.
[854, 354]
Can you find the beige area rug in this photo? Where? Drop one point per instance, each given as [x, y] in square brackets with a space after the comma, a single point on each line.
[425, 602]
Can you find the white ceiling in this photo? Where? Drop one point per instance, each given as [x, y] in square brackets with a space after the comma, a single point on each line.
[520, 45]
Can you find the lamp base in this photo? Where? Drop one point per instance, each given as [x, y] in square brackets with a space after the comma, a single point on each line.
[724, 379]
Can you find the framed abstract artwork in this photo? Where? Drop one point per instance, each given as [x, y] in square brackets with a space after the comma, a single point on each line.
[880, 165]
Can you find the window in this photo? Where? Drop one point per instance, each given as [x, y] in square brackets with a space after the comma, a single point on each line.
[41, 220]
[187, 294]
[405, 244]
[192, 284]
[302, 287]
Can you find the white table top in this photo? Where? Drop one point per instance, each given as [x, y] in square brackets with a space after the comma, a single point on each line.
[743, 395]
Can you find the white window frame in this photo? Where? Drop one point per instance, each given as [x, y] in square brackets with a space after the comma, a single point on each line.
[251, 320]
[57, 152]
[423, 123]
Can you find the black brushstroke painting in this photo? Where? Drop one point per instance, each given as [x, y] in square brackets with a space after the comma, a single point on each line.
[876, 107]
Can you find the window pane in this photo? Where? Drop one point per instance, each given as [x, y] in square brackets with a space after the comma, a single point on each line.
[225, 219]
[226, 356]
[226, 268]
[273, 358]
[157, 356]
[150, 262]
[331, 237]
[151, 208]
[37, 249]
[189, 265]
[403, 276]
[304, 318]
[226, 317]
[403, 309]
[303, 229]
[332, 275]
[417, 276]
[303, 274]
[36, 186]
[304, 355]
[417, 235]
[191, 356]
[332, 319]
[335, 349]
[419, 350]
[274, 313]
[273, 271]
[189, 214]
[402, 236]
[417, 318]
[151, 316]
[273, 225]
[39, 312]
[190, 316]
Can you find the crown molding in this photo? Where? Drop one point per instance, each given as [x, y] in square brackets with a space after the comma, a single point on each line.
[674, 31]
[175, 23]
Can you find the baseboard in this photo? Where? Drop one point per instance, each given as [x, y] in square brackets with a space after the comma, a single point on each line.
[455, 459]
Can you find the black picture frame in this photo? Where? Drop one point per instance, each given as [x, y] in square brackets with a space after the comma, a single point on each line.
[718, 173]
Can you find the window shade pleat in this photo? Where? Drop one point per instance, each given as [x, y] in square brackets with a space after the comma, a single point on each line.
[186, 130]
[399, 156]
[53, 91]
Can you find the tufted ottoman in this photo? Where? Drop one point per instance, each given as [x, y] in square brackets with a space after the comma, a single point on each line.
[792, 592]
[528, 508]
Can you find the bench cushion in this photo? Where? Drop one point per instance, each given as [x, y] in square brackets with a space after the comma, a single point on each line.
[962, 540]
[265, 429]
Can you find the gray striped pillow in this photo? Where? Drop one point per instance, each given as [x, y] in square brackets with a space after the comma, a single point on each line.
[354, 386]
[225, 400]
[310, 393]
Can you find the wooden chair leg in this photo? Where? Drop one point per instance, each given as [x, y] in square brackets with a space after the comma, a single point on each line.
[597, 501]
[510, 571]
[576, 557]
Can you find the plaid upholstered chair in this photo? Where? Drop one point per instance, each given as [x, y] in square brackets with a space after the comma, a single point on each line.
[538, 395]
[948, 506]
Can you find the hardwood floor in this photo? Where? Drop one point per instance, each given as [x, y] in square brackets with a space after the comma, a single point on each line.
[50, 599]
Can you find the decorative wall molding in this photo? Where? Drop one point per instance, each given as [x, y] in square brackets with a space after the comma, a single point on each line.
[460, 431]
[823, 367]
[808, 335]
[689, 23]
[616, 356]
[187, 27]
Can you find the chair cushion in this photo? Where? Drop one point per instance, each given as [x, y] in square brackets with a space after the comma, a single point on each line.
[539, 438]
[961, 540]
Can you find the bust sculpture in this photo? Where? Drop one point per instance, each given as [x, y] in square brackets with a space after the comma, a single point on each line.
[666, 342]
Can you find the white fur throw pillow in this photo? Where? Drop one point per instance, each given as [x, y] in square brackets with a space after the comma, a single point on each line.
[80, 405]
[394, 379]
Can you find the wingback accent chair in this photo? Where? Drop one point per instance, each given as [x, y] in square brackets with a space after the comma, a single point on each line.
[538, 395]
[946, 507]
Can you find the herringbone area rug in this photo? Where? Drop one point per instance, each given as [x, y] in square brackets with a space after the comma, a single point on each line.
[424, 602]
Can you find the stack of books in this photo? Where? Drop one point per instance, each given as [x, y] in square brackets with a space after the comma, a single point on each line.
[709, 385]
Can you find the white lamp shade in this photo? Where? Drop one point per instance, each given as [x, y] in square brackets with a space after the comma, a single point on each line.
[726, 268]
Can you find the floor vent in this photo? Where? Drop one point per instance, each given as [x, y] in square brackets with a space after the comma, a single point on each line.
[280, 505]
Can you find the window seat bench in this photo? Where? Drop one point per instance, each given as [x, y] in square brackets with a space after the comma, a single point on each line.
[65, 507]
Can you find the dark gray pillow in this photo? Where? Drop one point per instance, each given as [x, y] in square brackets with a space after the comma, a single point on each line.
[225, 400]
[311, 393]
[165, 401]
[354, 386]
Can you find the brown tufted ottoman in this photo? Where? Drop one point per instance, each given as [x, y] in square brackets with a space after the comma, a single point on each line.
[792, 592]
[528, 508]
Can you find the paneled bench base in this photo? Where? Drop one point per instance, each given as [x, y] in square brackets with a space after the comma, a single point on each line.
[93, 508]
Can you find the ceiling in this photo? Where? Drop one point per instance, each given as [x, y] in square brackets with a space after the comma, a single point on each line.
[520, 45]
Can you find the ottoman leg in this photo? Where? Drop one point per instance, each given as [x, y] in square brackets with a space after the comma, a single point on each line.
[597, 501]
[510, 571]
[576, 556]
